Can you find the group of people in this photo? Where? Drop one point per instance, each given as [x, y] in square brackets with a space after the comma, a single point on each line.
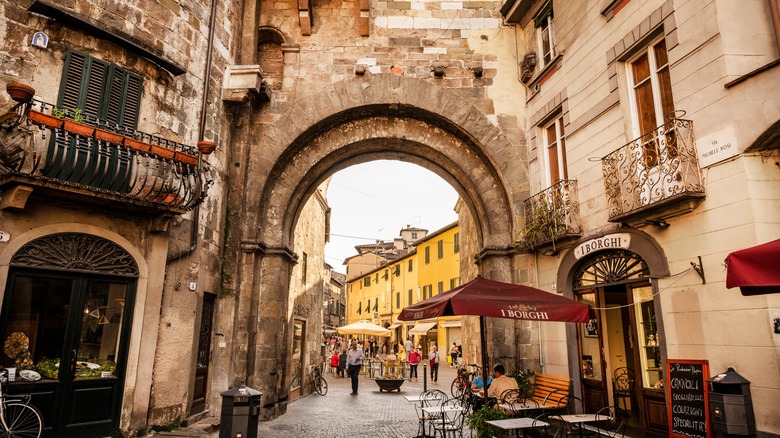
[350, 360]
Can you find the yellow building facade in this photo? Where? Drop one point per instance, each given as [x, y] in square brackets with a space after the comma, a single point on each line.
[430, 268]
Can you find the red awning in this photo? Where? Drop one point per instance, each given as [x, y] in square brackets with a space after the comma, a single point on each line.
[755, 270]
[484, 297]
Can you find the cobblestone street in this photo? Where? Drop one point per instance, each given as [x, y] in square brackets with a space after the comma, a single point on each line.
[338, 414]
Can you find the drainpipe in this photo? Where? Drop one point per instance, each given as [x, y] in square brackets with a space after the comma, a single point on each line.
[202, 127]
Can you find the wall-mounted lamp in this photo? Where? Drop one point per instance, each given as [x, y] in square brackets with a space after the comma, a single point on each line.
[660, 223]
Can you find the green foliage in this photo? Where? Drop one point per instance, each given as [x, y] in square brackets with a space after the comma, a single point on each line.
[478, 421]
[59, 112]
[165, 428]
[524, 383]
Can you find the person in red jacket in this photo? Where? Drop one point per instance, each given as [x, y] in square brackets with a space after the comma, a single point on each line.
[334, 363]
[414, 359]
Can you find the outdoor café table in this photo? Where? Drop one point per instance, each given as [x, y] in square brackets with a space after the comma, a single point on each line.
[517, 424]
[421, 428]
[579, 419]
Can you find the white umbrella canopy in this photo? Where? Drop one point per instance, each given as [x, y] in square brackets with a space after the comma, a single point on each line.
[364, 328]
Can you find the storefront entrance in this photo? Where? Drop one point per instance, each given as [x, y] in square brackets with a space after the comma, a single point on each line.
[68, 300]
[620, 350]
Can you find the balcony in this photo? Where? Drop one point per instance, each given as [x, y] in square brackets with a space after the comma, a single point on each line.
[64, 155]
[552, 216]
[655, 176]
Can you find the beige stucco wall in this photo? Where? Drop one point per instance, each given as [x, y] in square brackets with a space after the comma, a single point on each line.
[712, 44]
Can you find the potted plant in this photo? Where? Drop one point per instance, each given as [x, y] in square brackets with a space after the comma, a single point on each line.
[206, 147]
[20, 92]
[524, 383]
[478, 421]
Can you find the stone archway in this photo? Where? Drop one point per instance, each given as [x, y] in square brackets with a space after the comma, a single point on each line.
[355, 121]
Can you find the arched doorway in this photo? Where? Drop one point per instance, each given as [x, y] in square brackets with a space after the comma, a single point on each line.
[69, 300]
[618, 359]
[359, 120]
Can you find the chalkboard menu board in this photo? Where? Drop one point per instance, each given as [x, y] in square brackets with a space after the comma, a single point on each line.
[687, 397]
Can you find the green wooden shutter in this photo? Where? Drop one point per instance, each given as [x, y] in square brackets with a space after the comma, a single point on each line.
[102, 91]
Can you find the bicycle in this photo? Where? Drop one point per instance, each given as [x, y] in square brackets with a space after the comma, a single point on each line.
[17, 417]
[319, 382]
[462, 381]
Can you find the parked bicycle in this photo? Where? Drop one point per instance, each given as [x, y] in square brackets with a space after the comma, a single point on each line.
[17, 417]
[462, 381]
[319, 382]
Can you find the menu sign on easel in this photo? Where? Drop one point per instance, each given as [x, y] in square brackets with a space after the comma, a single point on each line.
[687, 398]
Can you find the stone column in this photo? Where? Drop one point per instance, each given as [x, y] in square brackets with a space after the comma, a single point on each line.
[510, 342]
[268, 328]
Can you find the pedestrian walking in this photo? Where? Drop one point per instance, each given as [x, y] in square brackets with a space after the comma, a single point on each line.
[433, 357]
[408, 344]
[454, 355]
[354, 362]
[334, 362]
[414, 359]
[342, 363]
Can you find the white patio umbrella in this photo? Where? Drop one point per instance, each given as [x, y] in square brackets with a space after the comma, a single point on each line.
[364, 328]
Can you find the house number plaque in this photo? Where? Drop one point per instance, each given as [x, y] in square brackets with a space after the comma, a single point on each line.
[4, 236]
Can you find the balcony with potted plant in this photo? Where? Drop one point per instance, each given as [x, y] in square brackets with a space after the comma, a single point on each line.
[65, 154]
[655, 176]
[552, 216]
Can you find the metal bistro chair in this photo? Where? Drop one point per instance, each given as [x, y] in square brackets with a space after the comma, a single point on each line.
[514, 403]
[556, 426]
[431, 398]
[450, 423]
[610, 422]
[623, 384]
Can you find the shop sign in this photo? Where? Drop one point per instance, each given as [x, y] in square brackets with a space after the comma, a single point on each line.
[610, 241]
[4, 236]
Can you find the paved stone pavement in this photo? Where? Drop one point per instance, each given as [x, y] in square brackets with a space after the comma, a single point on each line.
[339, 414]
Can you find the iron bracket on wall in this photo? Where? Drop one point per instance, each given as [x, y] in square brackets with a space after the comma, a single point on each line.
[699, 270]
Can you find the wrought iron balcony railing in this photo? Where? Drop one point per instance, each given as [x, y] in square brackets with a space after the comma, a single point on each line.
[654, 172]
[63, 150]
[552, 214]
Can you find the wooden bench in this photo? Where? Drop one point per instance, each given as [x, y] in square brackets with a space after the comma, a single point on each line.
[551, 392]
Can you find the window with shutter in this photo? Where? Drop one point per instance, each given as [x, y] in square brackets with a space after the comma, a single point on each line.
[107, 96]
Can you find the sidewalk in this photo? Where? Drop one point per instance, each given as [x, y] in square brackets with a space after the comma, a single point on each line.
[339, 414]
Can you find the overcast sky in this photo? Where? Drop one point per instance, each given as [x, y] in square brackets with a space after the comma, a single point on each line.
[375, 200]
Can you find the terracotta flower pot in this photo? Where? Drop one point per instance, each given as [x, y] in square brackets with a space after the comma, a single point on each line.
[111, 137]
[79, 128]
[19, 91]
[186, 158]
[137, 145]
[44, 120]
[162, 152]
[206, 147]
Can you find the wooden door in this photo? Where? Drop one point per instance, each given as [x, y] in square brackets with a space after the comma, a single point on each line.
[204, 350]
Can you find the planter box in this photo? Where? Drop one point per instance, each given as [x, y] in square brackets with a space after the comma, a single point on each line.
[389, 384]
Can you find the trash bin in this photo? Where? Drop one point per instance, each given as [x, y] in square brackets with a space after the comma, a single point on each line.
[731, 407]
[240, 412]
